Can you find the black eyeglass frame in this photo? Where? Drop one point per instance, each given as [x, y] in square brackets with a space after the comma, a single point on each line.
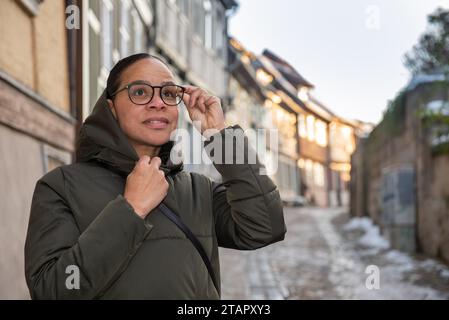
[126, 87]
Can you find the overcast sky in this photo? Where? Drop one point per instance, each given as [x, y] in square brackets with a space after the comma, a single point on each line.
[351, 50]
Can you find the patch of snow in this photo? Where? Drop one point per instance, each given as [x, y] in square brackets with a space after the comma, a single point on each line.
[368, 251]
[431, 265]
[393, 284]
[402, 260]
[398, 257]
[358, 224]
[372, 237]
[444, 273]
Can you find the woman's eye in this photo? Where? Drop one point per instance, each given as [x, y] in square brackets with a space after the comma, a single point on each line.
[139, 92]
[169, 94]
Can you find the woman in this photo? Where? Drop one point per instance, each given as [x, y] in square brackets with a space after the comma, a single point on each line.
[99, 228]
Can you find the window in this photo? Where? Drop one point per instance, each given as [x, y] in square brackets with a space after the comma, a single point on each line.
[219, 32]
[53, 158]
[124, 29]
[281, 175]
[310, 128]
[198, 18]
[302, 129]
[321, 133]
[294, 177]
[106, 34]
[309, 171]
[347, 134]
[208, 27]
[318, 174]
[263, 77]
[183, 5]
[286, 176]
[95, 55]
[138, 35]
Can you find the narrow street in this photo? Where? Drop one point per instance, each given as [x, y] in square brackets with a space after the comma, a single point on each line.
[322, 257]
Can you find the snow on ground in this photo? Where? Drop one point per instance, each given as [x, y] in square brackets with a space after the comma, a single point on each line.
[327, 256]
[372, 237]
[402, 276]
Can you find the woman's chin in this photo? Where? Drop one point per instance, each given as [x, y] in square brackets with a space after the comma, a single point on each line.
[157, 139]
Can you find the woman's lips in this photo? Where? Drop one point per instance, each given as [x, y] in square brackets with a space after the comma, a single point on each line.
[156, 123]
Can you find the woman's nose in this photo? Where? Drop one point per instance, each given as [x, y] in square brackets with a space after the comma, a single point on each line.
[156, 102]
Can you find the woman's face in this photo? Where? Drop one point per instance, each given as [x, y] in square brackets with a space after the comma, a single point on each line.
[150, 124]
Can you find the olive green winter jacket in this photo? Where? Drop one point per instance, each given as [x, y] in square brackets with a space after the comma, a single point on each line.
[80, 218]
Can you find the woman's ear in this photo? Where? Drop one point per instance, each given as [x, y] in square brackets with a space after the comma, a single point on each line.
[112, 107]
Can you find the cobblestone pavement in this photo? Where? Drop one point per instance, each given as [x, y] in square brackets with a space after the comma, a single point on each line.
[319, 260]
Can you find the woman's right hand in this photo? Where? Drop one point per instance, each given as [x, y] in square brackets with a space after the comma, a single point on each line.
[146, 186]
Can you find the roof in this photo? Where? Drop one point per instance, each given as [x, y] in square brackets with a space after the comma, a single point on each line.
[290, 89]
[243, 71]
[287, 70]
[286, 81]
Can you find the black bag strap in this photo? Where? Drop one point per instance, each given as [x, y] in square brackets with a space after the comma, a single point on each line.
[196, 243]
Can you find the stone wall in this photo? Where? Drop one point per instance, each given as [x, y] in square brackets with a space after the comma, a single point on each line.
[403, 142]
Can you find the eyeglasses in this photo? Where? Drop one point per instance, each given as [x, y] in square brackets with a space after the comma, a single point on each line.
[140, 93]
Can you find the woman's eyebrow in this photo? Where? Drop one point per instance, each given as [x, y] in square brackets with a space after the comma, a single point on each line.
[140, 82]
[167, 82]
[147, 82]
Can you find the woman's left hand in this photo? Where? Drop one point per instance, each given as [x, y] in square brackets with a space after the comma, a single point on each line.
[204, 109]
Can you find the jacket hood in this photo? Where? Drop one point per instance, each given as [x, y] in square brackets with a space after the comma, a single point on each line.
[101, 139]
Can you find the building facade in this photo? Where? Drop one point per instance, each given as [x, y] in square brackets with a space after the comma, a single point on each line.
[257, 105]
[313, 127]
[312, 159]
[37, 120]
[52, 75]
[342, 140]
[250, 107]
[309, 121]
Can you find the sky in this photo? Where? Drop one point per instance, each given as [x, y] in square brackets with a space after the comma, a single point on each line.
[351, 50]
